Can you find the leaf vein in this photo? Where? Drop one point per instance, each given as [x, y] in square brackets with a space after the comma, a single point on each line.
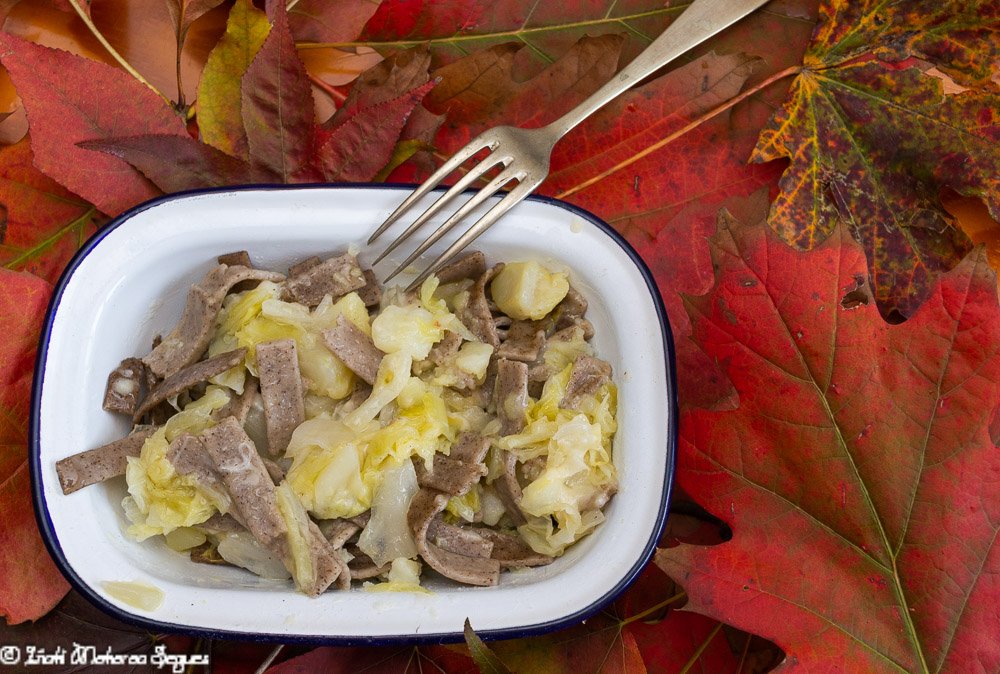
[79, 224]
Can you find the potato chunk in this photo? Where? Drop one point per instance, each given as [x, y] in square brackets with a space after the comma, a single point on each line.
[527, 290]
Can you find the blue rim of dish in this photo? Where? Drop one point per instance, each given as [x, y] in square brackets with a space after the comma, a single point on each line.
[55, 550]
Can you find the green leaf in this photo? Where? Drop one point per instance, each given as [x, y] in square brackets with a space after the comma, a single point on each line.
[486, 660]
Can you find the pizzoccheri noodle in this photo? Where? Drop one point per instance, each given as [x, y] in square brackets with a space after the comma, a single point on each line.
[315, 427]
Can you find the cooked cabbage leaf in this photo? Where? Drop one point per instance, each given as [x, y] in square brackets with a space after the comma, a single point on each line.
[391, 378]
[387, 535]
[238, 309]
[243, 550]
[559, 353]
[326, 475]
[563, 502]
[419, 429]
[161, 499]
[408, 329]
[297, 523]
[261, 316]
[464, 507]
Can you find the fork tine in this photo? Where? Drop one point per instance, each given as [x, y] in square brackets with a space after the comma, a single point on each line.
[474, 146]
[456, 189]
[513, 198]
[479, 197]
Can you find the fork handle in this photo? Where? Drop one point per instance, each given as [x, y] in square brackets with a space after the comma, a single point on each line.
[700, 21]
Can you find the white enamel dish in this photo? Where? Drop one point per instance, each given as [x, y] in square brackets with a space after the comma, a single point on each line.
[129, 283]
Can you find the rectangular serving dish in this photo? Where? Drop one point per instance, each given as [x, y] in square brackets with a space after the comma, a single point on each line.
[129, 283]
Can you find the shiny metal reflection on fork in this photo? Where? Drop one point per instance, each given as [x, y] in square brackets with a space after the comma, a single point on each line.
[522, 155]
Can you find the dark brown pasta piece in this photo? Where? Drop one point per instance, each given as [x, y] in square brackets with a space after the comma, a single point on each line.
[335, 277]
[124, 386]
[188, 377]
[96, 465]
[190, 337]
[281, 389]
[352, 346]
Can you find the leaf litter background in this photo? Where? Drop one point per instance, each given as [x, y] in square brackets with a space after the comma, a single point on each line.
[807, 189]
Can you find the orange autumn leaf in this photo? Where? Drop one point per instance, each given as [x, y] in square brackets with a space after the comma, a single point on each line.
[974, 218]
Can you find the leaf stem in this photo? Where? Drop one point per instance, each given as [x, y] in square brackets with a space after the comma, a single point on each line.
[329, 90]
[180, 47]
[698, 121]
[514, 33]
[701, 649]
[269, 659]
[41, 246]
[743, 656]
[111, 50]
[197, 650]
[653, 609]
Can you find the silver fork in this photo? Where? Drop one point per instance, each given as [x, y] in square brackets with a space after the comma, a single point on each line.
[524, 153]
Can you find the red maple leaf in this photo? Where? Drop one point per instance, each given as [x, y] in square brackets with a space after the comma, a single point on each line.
[859, 474]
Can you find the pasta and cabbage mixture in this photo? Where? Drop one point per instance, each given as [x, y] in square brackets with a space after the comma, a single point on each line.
[315, 427]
